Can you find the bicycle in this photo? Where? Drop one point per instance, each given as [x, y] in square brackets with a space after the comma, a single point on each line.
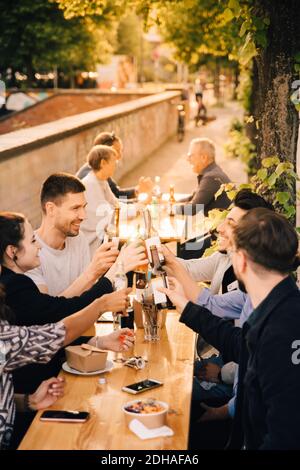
[180, 123]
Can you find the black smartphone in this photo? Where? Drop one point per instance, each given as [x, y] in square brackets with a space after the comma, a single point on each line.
[142, 386]
[65, 416]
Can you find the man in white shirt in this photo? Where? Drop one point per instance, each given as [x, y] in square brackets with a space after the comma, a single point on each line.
[66, 267]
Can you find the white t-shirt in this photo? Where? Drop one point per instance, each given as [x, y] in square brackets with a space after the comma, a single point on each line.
[59, 268]
[100, 204]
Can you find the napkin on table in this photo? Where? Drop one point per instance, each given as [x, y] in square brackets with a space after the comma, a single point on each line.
[144, 433]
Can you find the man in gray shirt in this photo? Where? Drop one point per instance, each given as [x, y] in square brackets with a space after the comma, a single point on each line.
[210, 176]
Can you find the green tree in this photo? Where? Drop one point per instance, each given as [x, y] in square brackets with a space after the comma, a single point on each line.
[36, 36]
[265, 32]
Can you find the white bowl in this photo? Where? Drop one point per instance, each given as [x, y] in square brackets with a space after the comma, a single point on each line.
[150, 420]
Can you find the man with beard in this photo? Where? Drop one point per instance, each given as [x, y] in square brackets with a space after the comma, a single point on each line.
[264, 251]
[66, 268]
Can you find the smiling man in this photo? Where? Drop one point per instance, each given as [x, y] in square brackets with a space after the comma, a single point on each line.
[66, 268]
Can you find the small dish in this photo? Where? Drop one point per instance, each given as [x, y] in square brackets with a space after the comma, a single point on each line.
[150, 420]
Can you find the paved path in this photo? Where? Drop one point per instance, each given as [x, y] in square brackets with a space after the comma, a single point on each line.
[170, 163]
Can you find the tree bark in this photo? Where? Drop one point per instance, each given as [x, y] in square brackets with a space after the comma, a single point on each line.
[273, 75]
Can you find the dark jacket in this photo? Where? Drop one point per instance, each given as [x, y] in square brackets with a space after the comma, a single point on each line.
[31, 307]
[128, 193]
[268, 399]
[208, 184]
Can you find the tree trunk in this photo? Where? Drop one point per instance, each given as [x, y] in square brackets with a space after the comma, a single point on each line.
[30, 72]
[273, 75]
[217, 80]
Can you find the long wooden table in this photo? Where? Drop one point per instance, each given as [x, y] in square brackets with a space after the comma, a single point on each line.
[177, 228]
[170, 361]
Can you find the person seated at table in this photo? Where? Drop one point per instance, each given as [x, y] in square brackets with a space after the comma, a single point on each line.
[66, 267]
[145, 184]
[22, 345]
[216, 269]
[264, 251]
[19, 252]
[210, 176]
[100, 199]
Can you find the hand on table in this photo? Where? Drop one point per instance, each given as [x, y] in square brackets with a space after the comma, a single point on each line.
[47, 393]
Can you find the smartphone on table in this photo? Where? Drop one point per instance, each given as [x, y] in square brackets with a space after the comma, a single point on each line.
[65, 416]
[142, 386]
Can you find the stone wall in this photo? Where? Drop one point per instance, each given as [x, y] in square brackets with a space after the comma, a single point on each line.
[29, 156]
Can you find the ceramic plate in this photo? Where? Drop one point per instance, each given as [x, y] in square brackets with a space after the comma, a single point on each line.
[108, 368]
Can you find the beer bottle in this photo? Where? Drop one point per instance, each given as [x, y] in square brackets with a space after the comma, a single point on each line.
[172, 200]
[120, 279]
[152, 236]
[112, 230]
[140, 285]
[160, 299]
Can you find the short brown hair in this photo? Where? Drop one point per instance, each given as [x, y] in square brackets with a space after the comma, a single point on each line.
[99, 153]
[59, 185]
[106, 138]
[268, 239]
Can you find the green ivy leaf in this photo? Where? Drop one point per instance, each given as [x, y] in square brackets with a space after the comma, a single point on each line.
[249, 119]
[270, 161]
[231, 195]
[235, 6]
[262, 174]
[246, 186]
[267, 21]
[283, 167]
[261, 38]
[247, 51]
[272, 179]
[290, 211]
[245, 26]
[227, 15]
[282, 197]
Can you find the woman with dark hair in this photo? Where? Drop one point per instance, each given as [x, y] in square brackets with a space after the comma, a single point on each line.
[19, 252]
[18, 348]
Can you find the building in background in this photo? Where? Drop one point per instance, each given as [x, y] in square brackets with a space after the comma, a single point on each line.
[121, 72]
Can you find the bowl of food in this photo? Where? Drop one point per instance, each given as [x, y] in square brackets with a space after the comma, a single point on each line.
[152, 413]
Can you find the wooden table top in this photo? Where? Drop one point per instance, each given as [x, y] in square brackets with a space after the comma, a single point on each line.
[170, 361]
